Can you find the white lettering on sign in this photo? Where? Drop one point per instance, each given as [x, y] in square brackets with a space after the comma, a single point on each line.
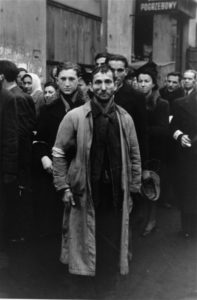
[155, 6]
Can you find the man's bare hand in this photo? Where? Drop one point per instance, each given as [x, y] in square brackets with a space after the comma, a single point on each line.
[68, 198]
[185, 141]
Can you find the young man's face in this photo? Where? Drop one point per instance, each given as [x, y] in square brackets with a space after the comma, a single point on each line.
[103, 86]
[189, 80]
[172, 83]
[67, 81]
[120, 71]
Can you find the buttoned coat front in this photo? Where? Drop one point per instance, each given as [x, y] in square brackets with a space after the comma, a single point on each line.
[78, 243]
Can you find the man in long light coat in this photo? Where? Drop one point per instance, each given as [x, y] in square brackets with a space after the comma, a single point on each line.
[97, 167]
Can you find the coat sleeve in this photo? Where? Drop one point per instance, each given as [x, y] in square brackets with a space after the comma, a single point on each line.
[65, 141]
[10, 136]
[135, 158]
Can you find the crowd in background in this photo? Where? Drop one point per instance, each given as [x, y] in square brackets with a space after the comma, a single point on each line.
[165, 120]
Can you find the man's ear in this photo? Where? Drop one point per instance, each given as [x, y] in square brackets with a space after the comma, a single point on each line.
[91, 89]
[2, 77]
[115, 86]
[126, 71]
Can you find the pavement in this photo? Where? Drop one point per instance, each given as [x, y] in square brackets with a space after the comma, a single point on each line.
[164, 267]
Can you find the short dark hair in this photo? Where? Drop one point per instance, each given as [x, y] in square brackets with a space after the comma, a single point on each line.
[101, 54]
[22, 69]
[67, 66]
[177, 74]
[118, 57]
[102, 69]
[9, 70]
[86, 76]
[51, 83]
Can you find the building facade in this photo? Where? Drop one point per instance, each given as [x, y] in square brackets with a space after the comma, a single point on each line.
[37, 34]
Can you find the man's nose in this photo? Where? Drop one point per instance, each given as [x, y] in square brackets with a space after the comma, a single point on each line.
[103, 86]
[67, 82]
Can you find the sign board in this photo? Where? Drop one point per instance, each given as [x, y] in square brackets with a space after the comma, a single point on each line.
[166, 6]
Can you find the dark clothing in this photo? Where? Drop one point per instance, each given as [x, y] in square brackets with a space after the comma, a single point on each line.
[19, 213]
[8, 134]
[106, 154]
[158, 126]
[171, 96]
[185, 120]
[134, 103]
[26, 124]
[48, 122]
[48, 207]
[8, 150]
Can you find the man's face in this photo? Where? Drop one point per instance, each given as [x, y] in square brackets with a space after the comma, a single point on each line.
[67, 81]
[19, 77]
[172, 83]
[27, 84]
[103, 86]
[119, 69]
[100, 61]
[189, 80]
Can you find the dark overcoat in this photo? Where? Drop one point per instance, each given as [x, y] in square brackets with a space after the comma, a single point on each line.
[185, 120]
[8, 146]
[26, 125]
[134, 103]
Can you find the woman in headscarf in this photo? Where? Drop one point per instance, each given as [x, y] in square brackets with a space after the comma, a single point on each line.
[32, 86]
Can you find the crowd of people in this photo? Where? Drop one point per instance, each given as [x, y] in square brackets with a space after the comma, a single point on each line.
[83, 153]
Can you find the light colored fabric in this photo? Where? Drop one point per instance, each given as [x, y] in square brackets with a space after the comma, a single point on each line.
[78, 240]
[36, 83]
[176, 134]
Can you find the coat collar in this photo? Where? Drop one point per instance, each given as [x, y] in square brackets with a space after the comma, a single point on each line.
[87, 109]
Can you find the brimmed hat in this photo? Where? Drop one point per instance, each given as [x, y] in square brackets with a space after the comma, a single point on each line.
[151, 186]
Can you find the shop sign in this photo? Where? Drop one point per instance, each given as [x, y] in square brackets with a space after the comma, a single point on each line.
[157, 6]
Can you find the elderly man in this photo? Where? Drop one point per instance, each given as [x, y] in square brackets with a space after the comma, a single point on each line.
[97, 184]
[189, 82]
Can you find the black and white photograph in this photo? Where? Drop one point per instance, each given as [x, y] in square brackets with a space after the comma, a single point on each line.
[98, 149]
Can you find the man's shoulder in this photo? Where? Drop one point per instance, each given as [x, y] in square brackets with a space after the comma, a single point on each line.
[80, 111]
[123, 113]
[6, 97]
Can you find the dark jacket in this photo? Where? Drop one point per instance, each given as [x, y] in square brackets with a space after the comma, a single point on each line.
[8, 134]
[158, 126]
[48, 122]
[171, 96]
[185, 120]
[134, 103]
[26, 124]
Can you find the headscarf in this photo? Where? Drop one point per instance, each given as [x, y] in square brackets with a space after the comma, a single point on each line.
[36, 83]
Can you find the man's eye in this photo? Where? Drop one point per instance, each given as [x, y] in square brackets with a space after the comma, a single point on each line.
[120, 70]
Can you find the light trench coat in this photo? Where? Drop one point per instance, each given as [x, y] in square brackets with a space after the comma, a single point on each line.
[78, 240]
